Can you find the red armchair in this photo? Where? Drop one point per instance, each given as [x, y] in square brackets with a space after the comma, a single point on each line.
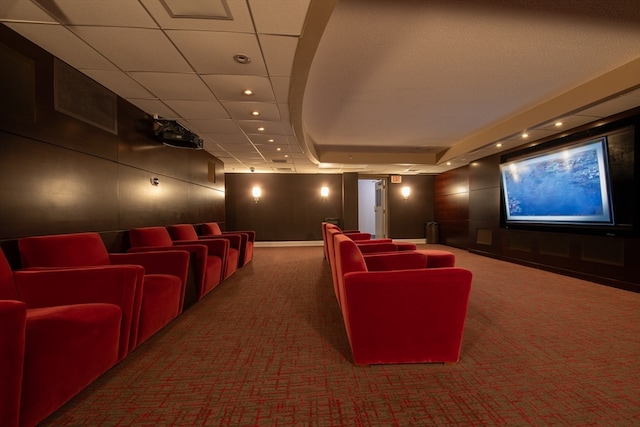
[49, 351]
[160, 289]
[248, 240]
[210, 257]
[186, 233]
[401, 316]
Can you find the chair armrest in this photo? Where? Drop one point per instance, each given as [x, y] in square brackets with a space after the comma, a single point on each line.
[381, 296]
[215, 247]
[377, 247]
[174, 262]
[406, 316]
[13, 323]
[372, 241]
[235, 240]
[395, 261]
[358, 236]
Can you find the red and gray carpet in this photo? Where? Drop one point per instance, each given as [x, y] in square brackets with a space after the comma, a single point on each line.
[268, 348]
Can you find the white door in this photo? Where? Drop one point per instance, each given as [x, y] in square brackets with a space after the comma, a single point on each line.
[380, 209]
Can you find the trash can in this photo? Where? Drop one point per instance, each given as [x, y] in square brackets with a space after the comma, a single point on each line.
[432, 232]
[334, 221]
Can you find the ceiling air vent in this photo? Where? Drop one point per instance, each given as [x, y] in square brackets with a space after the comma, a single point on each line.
[278, 161]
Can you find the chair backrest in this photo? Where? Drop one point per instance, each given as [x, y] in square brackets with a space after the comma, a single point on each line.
[182, 232]
[348, 255]
[7, 283]
[149, 236]
[63, 250]
[211, 229]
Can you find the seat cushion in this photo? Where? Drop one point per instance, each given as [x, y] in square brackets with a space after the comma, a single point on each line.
[437, 258]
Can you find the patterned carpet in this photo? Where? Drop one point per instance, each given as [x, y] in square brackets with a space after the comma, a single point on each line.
[268, 348]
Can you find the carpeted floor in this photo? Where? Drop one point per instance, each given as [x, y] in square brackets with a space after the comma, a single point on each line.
[268, 348]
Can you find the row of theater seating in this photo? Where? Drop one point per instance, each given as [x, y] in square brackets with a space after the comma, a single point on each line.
[399, 304]
[73, 310]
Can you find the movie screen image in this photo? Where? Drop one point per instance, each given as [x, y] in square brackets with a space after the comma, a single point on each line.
[569, 185]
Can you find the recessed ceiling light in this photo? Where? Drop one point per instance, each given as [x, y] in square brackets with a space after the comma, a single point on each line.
[255, 113]
[448, 163]
[525, 135]
[498, 145]
[261, 129]
[278, 149]
[286, 155]
[557, 124]
[271, 140]
[247, 92]
[241, 58]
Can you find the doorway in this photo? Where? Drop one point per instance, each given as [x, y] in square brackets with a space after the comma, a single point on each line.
[372, 207]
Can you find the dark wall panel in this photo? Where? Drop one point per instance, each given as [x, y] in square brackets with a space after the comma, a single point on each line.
[407, 218]
[349, 215]
[290, 207]
[47, 189]
[452, 207]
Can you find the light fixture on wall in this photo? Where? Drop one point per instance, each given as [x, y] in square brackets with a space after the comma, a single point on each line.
[406, 192]
[324, 192]
[256, 192]
[155, 181]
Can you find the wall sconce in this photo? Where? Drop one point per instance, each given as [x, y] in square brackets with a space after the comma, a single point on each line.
[256, 192]
[324, 192]
[406, 192]
[155, 181]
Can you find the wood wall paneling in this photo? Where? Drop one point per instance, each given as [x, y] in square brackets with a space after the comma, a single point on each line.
[408, 218]
[62, 174]
[290, 208]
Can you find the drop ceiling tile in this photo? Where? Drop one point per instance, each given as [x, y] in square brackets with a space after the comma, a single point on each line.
[279, 52]
[212, 52]
[173, 86]
[63, 44]
[238, 148]
[154, 106]
[229, 88]
[215, 126]
[199, 109]
[118, 82]
[229, 138]
[122, 13]
[279, 16]
[268, 139]
[135, 49]
[241, 21]
[252, 126]
[243, 110]
[24, 11]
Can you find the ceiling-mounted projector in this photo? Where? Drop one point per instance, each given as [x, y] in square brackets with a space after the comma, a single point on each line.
[173, 134]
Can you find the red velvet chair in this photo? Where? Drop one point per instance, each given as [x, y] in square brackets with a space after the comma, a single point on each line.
[248, 240]
[400, 316]
[210, 256]
[59, 331]
[375, 261]
[161, 287]
[186, 234]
